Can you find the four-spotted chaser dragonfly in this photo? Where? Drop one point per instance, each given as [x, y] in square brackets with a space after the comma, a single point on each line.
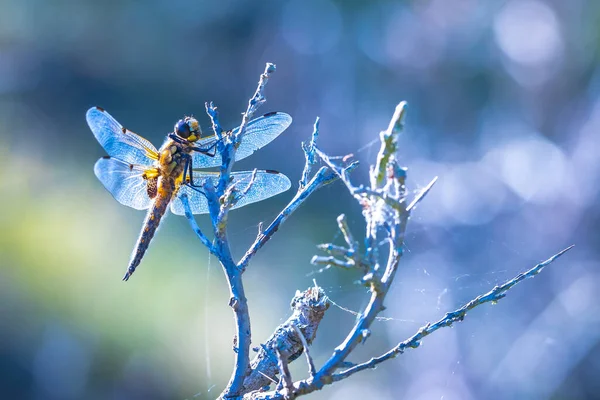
[142, 177]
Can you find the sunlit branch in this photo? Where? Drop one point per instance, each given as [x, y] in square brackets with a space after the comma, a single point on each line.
[311, 384]
[212, 112]
[256, 101]
[309, 154]
[220, 200]
[194, 224]
[249, 185]
[320, 179]
[345, 229]
[389, 145]
[308, 308]
[421, 195]
[414, 341]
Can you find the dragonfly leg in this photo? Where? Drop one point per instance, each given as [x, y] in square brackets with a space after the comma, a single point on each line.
[188, 170]
[206, 150]
[188, 175]
[176, 138]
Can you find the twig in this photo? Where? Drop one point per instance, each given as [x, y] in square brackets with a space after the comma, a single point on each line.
[337, 250]
[421, 195]
[211, 110]
[414, 341]
[249, 185]
[311, 365]
[320, 179]
[345, 229]
[311, 384]
[331, 260]
[219, 201]
[194, 224]
[386, 212]
[286, 384]
[309, 154]
[309, 309]
[389, 144]
[256, 101]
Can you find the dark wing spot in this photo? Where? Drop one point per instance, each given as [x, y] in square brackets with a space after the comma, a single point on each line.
[131, 167]
[269, 114]
[100, 109]
[106, 157]
[123, 129]
[272, 171]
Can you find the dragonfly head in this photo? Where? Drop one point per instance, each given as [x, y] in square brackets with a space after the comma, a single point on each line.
[188, 128]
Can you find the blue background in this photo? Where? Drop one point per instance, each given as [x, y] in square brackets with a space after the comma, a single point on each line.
[503, 107]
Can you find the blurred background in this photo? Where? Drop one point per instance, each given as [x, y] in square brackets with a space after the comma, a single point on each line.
[504, 106]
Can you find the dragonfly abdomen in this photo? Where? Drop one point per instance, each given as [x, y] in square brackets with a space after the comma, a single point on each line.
[153, 217]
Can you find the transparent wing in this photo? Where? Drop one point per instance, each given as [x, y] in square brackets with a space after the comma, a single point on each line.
[266, 184]
[118, 141]
[259, 132]
[124, 181]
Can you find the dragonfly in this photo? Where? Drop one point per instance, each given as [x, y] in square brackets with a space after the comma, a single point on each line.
[141, 177]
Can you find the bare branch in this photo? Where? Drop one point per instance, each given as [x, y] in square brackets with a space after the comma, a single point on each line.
[194, 224]
[421, 195]
[249, 185]
[345, 229]
[309, 309]
[330, 260]
[414, 341]
[219, 216]
[211, 110]
[389, 145]
[309, 154]
[311, 365]
[256, 101]
[286, 384]
[320, 179]
[310, 385]
[335, 250]
[386, 215]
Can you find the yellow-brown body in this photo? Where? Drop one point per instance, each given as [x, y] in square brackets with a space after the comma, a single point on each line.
[162, 184]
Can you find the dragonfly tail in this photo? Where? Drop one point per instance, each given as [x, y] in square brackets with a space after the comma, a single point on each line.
[155, 214]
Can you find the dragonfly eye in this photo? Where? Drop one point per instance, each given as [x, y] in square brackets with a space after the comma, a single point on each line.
[193, 125]
[182, 129]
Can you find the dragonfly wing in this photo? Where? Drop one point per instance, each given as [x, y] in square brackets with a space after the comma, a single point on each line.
[266, 184]
[197, 201]
[124, 181]
[119, 142]
[259, 132]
